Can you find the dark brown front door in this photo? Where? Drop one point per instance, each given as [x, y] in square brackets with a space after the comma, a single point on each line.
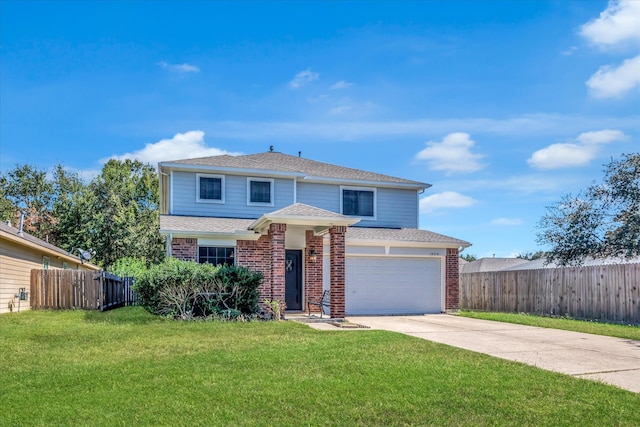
[293, 279]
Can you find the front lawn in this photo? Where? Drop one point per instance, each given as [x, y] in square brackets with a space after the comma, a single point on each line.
[126, 367]
[589, 327]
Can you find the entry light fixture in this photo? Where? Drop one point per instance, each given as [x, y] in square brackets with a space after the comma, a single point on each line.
[312, 255]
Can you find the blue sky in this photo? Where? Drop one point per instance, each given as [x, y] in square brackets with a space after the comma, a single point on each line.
[503, 106]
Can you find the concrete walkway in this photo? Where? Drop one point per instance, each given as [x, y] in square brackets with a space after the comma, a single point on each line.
[614, 361]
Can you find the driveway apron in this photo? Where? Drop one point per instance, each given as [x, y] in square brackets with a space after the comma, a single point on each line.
[615, 361]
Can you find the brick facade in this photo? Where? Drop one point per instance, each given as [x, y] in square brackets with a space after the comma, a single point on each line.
[452, 285]
[276, 234]
[185, 249]
[313, 269]
[337, 261]
[256, 255]
[267, 255]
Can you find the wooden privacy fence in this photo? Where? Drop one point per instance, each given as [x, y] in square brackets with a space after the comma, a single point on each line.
[604, 292]
[89, 290]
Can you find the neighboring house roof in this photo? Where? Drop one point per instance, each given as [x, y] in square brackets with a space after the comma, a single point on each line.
[309, 169]
[10, 233]
[491, 264]
[542, 263]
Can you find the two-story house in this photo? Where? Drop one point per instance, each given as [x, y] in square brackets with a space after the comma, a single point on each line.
[309, 226]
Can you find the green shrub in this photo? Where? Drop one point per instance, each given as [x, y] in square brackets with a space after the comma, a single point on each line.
[129, 267]
[186, 290]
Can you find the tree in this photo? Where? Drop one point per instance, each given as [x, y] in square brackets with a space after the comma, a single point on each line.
[468, 257]
[123, 218]
[602, 221]
[532, 256]
[26, 189]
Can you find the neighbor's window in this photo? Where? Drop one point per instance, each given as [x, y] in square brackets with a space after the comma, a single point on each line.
[215, 255]
[45, 263]
[210, 188]
[260, 191]
[358, 202]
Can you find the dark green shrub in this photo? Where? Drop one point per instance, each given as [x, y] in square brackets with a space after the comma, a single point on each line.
[187, 289]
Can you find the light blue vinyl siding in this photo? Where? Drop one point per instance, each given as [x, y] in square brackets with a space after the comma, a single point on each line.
[235, 195]
[396, 208]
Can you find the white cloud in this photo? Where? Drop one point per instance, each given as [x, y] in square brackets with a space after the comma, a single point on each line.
[452, 154]
[609, 82]
[574, 154]
[601, 136]
[569, 51]
[342, 84]
[180, 68]
[303, 78]
[618, 23]
[446, 199]
[506, 221]
[183, 145]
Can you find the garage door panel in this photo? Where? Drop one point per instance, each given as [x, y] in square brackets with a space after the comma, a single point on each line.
[386, 285]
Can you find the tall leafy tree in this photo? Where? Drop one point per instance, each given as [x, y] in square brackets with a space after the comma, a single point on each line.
[123, 218]
[604, 220]
[26, 189]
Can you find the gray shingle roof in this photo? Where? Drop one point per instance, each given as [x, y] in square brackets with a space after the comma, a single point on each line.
[194, 224]
[300, 209]
[274, 161]
[402, 234]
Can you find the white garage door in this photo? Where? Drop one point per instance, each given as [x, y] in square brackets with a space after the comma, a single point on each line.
[384, 285]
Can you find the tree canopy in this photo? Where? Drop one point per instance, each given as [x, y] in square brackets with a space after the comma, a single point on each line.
[115, 215]
[602, 221]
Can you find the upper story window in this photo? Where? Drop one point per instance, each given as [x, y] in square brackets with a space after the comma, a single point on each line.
[260, 191]
[45, 263]
[210, 188]
[358, 201]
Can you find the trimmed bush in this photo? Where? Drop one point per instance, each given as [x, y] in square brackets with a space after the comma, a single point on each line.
[186, 290]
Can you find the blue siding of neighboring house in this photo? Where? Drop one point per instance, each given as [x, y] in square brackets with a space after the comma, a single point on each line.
[395, 207]
[235, 206]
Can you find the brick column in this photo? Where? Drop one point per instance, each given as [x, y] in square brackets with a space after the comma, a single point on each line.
[276, 235]
[185, 249]
[452, 284]
[313, 270]
[337, 271]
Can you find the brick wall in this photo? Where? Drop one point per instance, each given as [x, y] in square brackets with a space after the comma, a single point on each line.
[336, 256]
[313, 270]
[256, 255]
[452, 284]
[185, 249]
[277, 236]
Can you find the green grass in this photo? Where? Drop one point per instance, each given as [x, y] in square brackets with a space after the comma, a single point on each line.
[589, 327]
[125, 367]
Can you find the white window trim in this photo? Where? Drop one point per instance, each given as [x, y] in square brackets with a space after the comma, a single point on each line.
[222, 185]
[270, 181]
[375, 201]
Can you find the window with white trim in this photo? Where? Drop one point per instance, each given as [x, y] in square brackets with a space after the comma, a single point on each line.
[45, 263]
[215, 255]
[260, 191]
[358, 201]
[209, 188]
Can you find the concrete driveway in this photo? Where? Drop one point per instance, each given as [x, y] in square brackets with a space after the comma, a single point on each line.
[614, 361]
